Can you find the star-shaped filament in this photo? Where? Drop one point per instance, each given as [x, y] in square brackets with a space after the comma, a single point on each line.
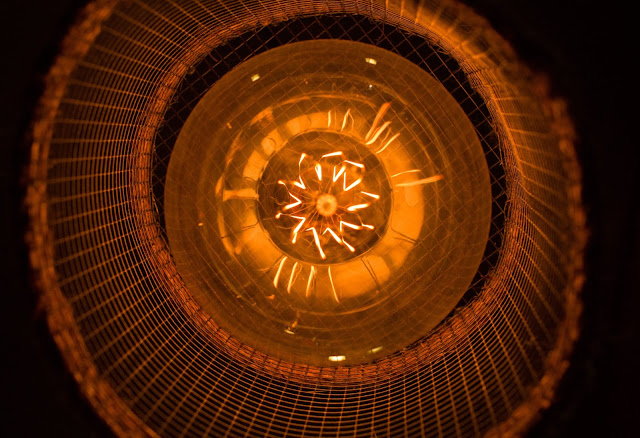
[327, 202]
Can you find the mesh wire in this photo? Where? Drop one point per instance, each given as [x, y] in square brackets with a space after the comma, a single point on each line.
[128, 75]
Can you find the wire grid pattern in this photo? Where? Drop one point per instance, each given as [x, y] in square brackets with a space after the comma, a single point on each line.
[475, 374]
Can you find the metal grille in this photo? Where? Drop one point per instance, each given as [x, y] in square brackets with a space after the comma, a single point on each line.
[152, 363]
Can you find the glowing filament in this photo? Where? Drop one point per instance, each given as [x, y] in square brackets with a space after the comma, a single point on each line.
[333, 288]
[300, 184]
[317, 209]
[344, 121]
[296, 229]
[335, 177]
[317, 240]
[348, 225]
[357, 207]
[275, 280]
[355, 183]
[386, 145]
[335, 236]
[406, 171]
[373, 195]
[312, 275]
[431, 179]
[292, 277]
[351, 248]
[378, 132]
[361, 166]
[294, 204]
[381, 112]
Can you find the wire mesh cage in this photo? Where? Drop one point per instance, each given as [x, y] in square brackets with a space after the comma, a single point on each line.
[164, 335]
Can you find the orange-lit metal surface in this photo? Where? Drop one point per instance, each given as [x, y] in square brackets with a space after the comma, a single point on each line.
[236, 232]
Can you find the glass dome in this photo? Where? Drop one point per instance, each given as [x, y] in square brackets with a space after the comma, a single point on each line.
[327, 202]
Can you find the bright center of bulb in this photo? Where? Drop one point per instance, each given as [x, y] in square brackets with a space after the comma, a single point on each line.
[326, 204]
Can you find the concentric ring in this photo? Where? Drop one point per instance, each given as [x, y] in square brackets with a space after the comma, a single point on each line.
[148, 356]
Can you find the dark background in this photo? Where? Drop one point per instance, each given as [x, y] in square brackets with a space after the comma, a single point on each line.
[588, 51]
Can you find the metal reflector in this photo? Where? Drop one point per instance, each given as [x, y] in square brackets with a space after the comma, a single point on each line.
[304, 218]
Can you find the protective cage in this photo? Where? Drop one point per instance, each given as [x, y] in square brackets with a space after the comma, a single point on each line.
[146, 353]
